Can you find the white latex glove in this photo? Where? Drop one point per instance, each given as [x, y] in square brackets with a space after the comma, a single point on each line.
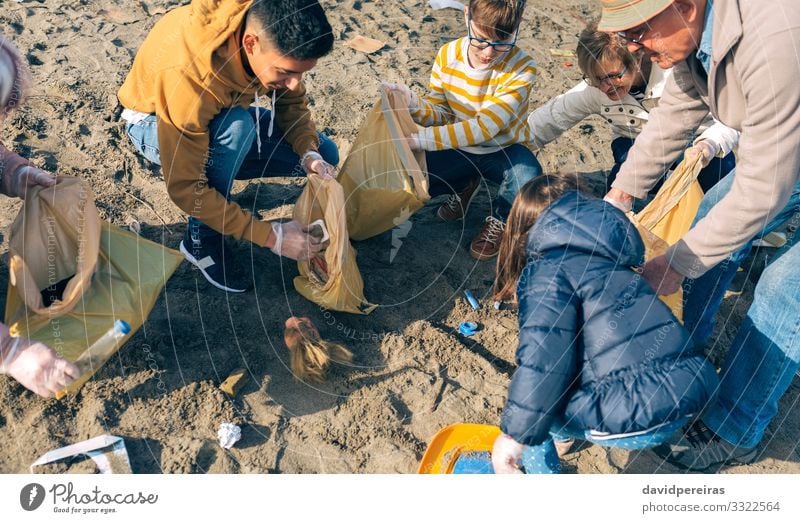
[506, 454]
[35, 366]
[16, 184]
[408, 95]
[620, 200]
[292, 242]
[707, 149]
[413, 142]
[312, 162]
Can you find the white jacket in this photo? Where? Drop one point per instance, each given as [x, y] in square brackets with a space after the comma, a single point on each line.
[626, 117]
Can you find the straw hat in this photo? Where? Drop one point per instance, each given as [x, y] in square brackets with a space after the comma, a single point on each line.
[619, 15]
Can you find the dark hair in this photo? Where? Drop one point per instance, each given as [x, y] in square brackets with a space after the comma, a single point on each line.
[298, 28]
[501, 17]
[531, 201]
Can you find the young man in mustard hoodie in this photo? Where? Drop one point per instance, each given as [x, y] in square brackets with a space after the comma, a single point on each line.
[187, 102]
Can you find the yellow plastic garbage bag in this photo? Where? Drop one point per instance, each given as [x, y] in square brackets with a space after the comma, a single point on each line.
[669, 216]
[72, 274]
[384, 181]
[331, 279]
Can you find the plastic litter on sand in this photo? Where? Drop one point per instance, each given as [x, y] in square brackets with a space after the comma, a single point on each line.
[467, 328]
[228, 435]
[471, 299]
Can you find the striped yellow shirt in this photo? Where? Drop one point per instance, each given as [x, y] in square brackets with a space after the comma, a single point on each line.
[476, 110]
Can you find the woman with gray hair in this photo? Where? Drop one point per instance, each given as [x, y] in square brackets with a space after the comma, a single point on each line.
[34, 365]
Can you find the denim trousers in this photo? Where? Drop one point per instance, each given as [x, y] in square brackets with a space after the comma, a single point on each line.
[764, 355]
[513, 166]
[716, 169]
[543, 459]
[233, 152]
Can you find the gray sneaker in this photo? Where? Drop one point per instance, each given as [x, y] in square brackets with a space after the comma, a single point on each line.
[699, 449]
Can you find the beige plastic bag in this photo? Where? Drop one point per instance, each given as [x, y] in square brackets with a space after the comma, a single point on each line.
[96, 272]
[669, 216]
[55, 236]
[331, 279]
[384, 182]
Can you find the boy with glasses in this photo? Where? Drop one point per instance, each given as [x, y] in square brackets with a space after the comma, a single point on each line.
[737, 60]
[474, 117]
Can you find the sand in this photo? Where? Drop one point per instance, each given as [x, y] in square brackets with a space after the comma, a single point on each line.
[413, 373]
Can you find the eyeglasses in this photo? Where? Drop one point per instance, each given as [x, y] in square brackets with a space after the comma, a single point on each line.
[598, 82]
[634, 36]
[480, 43]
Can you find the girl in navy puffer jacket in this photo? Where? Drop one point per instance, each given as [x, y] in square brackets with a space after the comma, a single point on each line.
[600, 356]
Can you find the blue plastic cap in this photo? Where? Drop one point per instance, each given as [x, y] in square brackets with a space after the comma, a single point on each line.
[122, 326]
[467, 328]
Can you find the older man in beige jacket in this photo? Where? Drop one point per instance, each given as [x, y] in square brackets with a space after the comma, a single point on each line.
[739, 60]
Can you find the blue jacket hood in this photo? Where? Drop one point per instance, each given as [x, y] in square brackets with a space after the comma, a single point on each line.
[591, 225]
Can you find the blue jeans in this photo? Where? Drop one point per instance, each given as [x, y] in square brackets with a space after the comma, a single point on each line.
[702, 297]
[233, 152]
[765, 353]
[716, 169]
[543, 459]
[510, 167]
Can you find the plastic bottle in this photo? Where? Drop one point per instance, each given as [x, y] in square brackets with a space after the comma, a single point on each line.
[103, 348]
[471, 299]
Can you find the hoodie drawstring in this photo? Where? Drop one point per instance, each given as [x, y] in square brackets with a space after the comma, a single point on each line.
[272, 116]
[258, 122]
[258, 126]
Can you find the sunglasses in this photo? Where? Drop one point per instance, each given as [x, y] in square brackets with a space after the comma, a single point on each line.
[480, 43]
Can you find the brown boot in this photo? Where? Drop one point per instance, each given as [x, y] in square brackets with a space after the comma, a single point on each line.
[487, 243]
[457, 204]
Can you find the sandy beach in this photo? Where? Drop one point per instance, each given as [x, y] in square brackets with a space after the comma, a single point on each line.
[413, 373]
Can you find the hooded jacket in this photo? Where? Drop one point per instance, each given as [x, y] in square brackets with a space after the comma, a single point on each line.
[187, 70]
[598, 349]
[753, 87]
